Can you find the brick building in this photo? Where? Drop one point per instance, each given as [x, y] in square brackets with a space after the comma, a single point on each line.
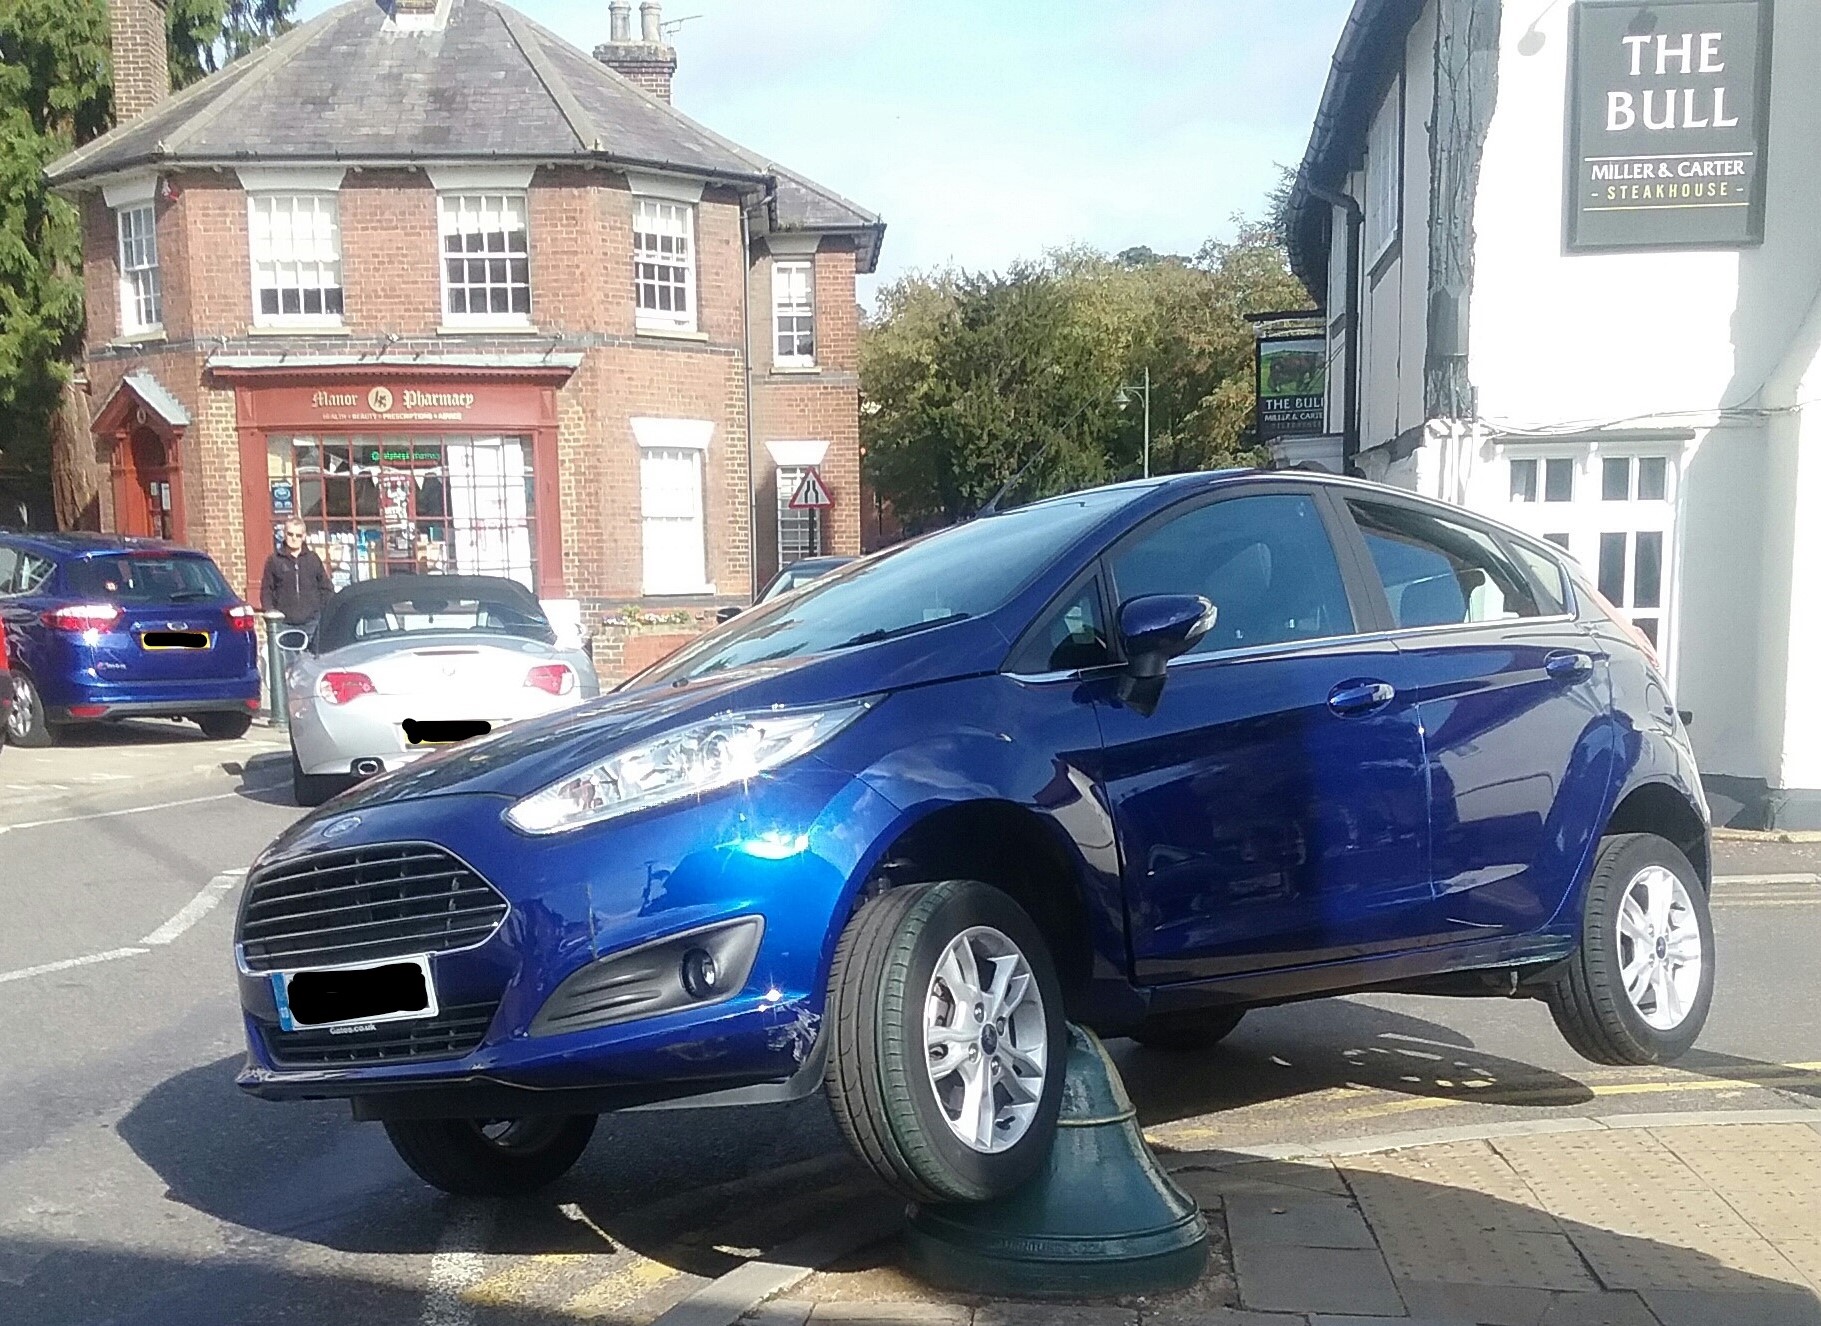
[463, 297]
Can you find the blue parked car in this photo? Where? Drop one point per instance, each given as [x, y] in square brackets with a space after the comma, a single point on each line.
[1143, 757]
[103, 626]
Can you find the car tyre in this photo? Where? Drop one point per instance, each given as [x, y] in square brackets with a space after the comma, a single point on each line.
[224, 726]
[1638, 988]
[26, 725]
[1198, 1029]
[491, 1157]
[896, 1024]
[312, 789]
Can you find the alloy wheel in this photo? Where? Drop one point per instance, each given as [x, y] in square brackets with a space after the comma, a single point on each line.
[517, 1135]
[985, 1040]
[24, 712]
[1660, 955]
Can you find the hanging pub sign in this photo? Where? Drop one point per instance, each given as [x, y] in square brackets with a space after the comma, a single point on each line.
[1668, 122]
[1292, 386]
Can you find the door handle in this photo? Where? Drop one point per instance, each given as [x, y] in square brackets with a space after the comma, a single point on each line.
[1359, 697]
[1568, 665]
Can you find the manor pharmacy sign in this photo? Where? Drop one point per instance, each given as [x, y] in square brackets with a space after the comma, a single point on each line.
[1670, 107]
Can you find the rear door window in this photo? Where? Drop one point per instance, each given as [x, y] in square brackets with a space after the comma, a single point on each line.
[1440, 572]
[143, 578]
[1265, 562]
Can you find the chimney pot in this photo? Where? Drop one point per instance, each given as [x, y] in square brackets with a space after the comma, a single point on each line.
[647, 62]
[622, 21]
[651, 21]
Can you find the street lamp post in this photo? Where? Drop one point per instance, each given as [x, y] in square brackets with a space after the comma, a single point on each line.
[1124, 399]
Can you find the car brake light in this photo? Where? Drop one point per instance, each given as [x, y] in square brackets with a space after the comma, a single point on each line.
[341, 687]
[242, 618]
[4, 663]
[555, 678]
[1624, 623]
[83, 617]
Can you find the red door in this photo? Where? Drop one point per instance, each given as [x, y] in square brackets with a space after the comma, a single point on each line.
[145, 492]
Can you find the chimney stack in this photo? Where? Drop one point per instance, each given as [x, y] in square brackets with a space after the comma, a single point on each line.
[648, 62]
[141, 59]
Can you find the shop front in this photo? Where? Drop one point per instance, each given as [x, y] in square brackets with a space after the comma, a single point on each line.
[425, 470]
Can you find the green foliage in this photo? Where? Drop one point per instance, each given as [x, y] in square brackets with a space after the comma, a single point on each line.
[206, 34]
[54, 94]
[967, 377]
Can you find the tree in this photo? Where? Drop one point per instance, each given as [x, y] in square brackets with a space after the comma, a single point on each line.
[56, 94]
[971, 377]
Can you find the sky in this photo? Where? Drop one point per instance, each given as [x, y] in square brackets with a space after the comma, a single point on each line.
[994, 130]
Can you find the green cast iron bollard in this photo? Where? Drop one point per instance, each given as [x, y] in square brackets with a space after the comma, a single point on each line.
[275, 671]
[1101, 1219]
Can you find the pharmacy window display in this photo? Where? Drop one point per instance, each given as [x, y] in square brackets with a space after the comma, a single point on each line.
[377, 505]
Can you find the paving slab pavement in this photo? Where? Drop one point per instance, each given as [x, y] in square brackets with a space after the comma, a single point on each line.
[1695, 1220]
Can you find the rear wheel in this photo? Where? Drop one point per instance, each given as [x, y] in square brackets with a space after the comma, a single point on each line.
[1638, 989]
[491, 1157]
[312, 789]
[26, 725]
[224, 727]
[948, 1041]
[1198, 1030]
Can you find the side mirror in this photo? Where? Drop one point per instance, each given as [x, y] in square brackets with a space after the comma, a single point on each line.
[294, 640]
[1157, 627]
[727, 614]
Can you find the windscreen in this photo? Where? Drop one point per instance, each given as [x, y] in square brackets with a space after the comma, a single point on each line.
[145, 578]
[946, 577]
[381, 618]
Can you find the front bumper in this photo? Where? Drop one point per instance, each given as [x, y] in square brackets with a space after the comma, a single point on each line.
[787, 849]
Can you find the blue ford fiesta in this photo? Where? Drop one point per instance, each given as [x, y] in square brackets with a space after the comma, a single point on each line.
[1142, 757]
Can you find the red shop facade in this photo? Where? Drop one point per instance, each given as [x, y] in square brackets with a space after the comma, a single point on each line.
[426, 469]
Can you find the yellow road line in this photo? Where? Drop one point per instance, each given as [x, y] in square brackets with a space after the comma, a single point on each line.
[507, 1289]
[619, 1289]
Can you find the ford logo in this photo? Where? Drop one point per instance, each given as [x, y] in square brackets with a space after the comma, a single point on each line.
[342, 827]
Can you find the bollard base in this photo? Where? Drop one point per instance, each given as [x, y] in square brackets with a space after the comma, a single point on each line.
[1101, 1219]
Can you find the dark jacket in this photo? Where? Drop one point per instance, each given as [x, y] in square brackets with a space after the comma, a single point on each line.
[296, 586]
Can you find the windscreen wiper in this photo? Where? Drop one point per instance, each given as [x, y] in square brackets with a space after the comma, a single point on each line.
[910, 628]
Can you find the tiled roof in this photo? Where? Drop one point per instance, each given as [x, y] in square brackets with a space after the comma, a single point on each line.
[489, 85]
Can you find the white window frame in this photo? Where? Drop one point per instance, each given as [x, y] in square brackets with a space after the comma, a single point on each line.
[141, 282]
[808, 521]
[793, 296]
[323, 261]
[676, 220]
[454, 210]
[672, 439]
[1384, 201]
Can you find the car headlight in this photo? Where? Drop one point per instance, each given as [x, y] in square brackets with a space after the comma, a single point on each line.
[702, 758]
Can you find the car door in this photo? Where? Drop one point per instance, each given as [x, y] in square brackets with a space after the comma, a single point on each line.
[1272, 809]
[1512, 694]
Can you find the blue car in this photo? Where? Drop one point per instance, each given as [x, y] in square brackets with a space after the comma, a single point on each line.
[102, 627]
[1143, 757]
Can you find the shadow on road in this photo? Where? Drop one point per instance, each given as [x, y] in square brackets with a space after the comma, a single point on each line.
[265, 778]
[1615, 1276]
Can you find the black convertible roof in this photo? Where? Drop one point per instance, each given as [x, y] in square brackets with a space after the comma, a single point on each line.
[364, 597]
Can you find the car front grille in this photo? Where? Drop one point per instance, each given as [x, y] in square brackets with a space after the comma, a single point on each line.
[365, 904]
[451, 1034]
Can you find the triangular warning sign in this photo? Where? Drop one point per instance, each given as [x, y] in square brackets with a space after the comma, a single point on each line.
[811, 493]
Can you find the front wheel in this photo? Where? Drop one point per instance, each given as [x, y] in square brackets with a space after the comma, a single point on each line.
[491, 1157]
[1638, 989]
[948, 1041]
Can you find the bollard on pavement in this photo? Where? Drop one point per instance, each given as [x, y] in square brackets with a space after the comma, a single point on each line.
[275, 673]
[1100, 1219]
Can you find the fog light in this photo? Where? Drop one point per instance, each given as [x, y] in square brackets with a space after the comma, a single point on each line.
[701, 975]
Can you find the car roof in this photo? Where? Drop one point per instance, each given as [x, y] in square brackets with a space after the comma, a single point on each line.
[86, 544]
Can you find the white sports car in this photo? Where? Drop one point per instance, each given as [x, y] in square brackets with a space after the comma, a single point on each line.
[408, 664]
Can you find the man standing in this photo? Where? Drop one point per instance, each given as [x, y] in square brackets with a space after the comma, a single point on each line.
[295, 582]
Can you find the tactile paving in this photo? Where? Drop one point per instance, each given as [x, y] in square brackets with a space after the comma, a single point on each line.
[1458, 1214]
[1642, 1218]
